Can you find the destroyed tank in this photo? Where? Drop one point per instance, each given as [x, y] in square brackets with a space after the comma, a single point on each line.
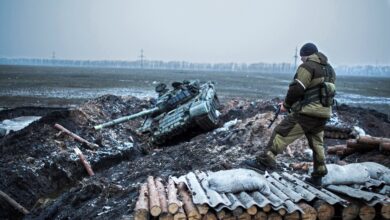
[187, 105]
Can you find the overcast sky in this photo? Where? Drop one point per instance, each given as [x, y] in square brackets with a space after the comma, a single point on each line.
[348, 31]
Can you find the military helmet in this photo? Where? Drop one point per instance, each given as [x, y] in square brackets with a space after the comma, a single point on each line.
[176, 85]
[161, 87]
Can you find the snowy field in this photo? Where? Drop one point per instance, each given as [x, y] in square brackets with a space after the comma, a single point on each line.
[65, 86]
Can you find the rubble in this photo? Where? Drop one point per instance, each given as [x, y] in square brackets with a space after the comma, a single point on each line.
[43, 173]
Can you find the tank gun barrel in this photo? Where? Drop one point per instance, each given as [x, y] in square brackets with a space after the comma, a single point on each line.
[126, 118]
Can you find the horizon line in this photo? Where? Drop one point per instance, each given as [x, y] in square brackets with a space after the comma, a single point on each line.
[193, 62]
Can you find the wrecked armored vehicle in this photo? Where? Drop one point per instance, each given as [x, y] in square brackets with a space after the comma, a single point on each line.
[187, 105]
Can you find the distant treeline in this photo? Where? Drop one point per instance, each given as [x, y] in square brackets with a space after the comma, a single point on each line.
[183, 65]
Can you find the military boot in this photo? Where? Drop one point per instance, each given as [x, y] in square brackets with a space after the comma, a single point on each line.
[268, 159]
[262, 162]
[314, 180]
[320, 170]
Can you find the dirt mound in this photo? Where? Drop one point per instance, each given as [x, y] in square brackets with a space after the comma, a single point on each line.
[43, 173]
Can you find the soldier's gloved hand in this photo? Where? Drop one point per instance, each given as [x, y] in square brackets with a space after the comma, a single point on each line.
[282, 108]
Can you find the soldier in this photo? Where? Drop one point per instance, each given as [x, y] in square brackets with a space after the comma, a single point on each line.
[161, 89]
[310, 99]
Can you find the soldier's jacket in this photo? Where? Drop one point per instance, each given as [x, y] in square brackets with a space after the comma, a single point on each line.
[308, 78]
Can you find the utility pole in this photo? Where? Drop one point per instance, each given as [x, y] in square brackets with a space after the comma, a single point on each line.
[142, 58]
[295, 58]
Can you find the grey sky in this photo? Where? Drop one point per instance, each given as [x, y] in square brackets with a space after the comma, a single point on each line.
[348, 31]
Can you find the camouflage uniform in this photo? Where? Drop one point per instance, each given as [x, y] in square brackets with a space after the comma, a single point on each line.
[308, 115]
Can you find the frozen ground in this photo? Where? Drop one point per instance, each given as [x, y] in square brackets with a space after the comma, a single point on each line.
[64, 86]
[44, 175]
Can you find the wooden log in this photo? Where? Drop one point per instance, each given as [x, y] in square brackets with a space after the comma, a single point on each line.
[209, 216]
[238, 211]
[343, 135]
[244, 216]
[335, 148]
[13, 203]
[367, 212]
[162, 198]
[260, 215]
[274, 216]
[385, 211]
[325, 211]
[84, 161]
[173, 202]
[350, 212]
[228, 215]
[166, 216]
[142, 205]
[384, 147]
[338, 129]
[282, 212]
[202, 209]
[267, 208]
[292, 216]
[189, 207]
[221, 214]
[345, 152]
[76, 137]
[309, 212]
[372, 140]
[252, 210]
[180, 214]
[154, 200]
[301, 166]
[353, 143]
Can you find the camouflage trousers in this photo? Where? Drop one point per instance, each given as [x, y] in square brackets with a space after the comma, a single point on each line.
[293, 127]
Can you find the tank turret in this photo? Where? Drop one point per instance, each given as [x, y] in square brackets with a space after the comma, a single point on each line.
[188, 104]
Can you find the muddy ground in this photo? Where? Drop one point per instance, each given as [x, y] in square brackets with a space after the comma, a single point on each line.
[40, 170]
